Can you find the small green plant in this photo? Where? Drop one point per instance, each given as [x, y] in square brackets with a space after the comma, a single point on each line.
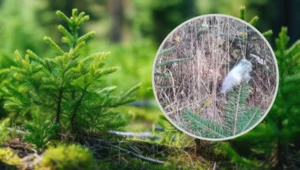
[280, 129]
[237, 159]
[238, 116]
[170, 135]
[41, 130]
[67, 88]
[69, 157]
[4, 79]
[3, 130]
[271, 143]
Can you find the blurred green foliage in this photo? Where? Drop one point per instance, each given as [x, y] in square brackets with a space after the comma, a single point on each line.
[3, 130]
[18, 21]
[134, 61]
[8, 157]
[158, 19]
[67, 157]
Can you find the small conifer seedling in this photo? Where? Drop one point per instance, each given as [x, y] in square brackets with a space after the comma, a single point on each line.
[66, 89]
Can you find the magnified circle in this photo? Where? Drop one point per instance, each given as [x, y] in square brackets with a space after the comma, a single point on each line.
[215, 77]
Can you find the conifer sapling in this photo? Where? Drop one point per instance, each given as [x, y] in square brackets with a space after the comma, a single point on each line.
[67, 88]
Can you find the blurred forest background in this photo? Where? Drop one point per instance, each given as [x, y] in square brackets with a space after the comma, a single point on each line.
[132, 30]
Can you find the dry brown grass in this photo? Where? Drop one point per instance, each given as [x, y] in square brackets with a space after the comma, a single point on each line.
[216, 44]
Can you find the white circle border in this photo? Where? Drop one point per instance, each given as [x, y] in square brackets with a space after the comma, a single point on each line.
[266, 112]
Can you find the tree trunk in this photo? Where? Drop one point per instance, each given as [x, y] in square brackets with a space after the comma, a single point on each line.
[292, 19]
[116, 9]
[197, 146]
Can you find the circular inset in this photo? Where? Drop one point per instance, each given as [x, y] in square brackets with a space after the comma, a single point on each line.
[215, 77]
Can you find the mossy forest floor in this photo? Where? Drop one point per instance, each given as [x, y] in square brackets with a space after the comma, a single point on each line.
[151, 150]
[126, 154]
[140, 145]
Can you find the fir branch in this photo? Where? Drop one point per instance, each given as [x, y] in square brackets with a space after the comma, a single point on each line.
[82, 14]
[40, 130]
[294, 49]
[76, 49]
[282, 42]
[68, 38]
[35, 57]
[239, 160]
[25, 63]
[58, 105]
[101, 72]
[86, 37]
[167, 75]
[83, 19]
[66, 33]
[239, 115]
[236, 112]
[54, 45]
[207, 128]
[130, 92]
[242, 12]
[73, 113]
[74, 13]
[268, 33]
[165, 51]
[106, 90]
[64, 17]
[254, 20]
[252, 120]
[19, 70]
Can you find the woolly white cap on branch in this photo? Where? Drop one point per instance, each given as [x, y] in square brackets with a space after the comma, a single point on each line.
[238, 74]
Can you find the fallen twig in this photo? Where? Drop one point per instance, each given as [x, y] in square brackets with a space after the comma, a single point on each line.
[136, 155]
[141, 135]
[18, 131]
[32, 160]
[101, 144]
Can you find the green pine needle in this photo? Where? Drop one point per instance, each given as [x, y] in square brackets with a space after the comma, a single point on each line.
[254, 20]
[242, 12]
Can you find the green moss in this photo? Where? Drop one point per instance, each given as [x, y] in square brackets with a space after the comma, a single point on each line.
[7, 156]
[71, 157]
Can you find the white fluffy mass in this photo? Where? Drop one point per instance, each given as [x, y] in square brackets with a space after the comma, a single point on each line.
[238, 74]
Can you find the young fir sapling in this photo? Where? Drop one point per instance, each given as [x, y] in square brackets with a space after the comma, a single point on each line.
[67, 88]
[276, 138]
